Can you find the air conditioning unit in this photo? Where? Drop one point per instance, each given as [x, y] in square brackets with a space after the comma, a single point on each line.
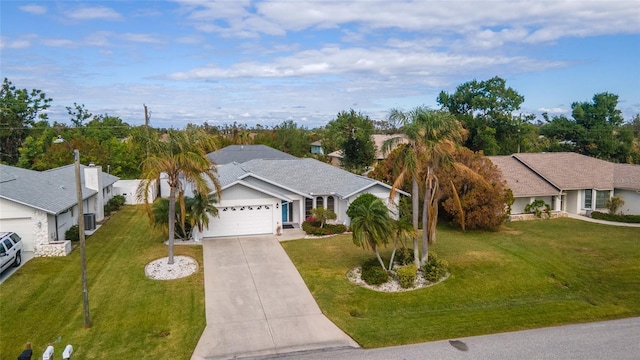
[90, 221]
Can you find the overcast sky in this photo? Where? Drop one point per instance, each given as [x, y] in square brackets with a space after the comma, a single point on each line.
[264, 62]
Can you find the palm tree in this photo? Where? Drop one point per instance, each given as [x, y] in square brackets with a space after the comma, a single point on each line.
[432, 138]
[371, 226]
[182, 157]
[201, 206]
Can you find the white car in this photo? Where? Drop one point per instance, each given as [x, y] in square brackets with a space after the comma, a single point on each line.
[10, 250]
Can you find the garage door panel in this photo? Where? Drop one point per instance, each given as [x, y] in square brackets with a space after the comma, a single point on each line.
[22, 227]
[241, 220]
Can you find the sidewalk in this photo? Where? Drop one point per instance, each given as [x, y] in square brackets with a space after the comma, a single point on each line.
[604, 222]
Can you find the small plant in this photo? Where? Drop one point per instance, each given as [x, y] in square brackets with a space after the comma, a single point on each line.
[372, 273]
[404, 256]
[314, 228]
[375, 275]
[632, 219]
[538, 207]
[407, 275]
[614, 204]
[435, 269]
[72, 234]
[323, 215]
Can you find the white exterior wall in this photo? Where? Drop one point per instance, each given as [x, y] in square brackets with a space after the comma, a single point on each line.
[521, 202]
[631, 201]
[573, 201]
[36, 228]
[93, 180]
[129, 189]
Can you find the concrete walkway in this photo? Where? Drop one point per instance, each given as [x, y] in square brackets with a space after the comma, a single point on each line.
[598, 221]
[257, 303]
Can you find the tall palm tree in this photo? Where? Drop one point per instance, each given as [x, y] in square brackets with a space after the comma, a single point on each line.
[181, 155]
[432, 138]
[371, 226]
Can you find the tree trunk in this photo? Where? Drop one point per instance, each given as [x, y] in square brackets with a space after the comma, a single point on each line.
[425, 224]
[172, 221]
[415, 208]
[379, 258]
[393, 254]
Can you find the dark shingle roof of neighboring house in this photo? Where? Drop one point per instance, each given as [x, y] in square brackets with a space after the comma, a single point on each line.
[570, 171]
[626, 176]
[244, 153]
[305, 176]
[522, 181]
[52, 191]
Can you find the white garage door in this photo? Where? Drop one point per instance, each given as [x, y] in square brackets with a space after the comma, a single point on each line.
[241, 220]
[22, 227]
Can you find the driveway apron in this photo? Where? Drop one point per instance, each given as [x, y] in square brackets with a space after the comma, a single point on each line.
[257, 303]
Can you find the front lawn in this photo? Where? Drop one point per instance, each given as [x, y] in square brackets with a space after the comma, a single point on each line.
[529, 275]
[133, 317]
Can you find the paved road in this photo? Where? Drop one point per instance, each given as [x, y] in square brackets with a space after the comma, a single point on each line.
[616, 339]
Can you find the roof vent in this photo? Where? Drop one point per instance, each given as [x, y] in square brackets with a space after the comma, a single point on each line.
[92, 164]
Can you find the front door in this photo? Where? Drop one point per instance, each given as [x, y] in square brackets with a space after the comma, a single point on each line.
[285, 211]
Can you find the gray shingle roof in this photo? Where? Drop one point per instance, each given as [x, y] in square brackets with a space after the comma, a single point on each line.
[570, 171]
[305, 176]
[627, 176]
[52, 191]
[522, 181]
[244, 153]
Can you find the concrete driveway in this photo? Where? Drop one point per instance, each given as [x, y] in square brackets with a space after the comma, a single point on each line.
[257, 303]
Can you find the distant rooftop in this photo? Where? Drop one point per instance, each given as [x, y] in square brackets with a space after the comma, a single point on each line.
[244, 153]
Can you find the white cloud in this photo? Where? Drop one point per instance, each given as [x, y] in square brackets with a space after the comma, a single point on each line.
[14, 44]
[140, 38]
[553, 110]
[94, 13]
[355, 62]
[483, 24]
[34, 9]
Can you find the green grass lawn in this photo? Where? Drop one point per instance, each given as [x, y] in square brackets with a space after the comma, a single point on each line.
[529, 275]
[133, 317]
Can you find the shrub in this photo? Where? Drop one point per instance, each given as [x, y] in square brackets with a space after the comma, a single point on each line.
[538, 207]
[404, 256]
[313, 228]
[375, 275]
[116, 202]
[365, 199]
[435, 269]
[407, 275]
[634, 219]
[108, 209]
[72, 234]
[614, 203]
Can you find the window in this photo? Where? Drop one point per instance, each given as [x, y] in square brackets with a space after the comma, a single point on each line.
[308, 205]
[587, 199]
[319, 202]
[601, 199]
[331, 203]
[8, 244]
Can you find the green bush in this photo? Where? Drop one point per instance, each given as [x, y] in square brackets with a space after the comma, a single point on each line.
[313, 228]
[375, 275]
[538, 207]
[404, 256]
[108, 209]
[633, 219]
[116, 202]
[407, 275]
[435, 269]
[72, 234]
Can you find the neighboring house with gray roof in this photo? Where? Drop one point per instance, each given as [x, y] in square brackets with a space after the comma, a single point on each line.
[42, 206]
[261, 195]
[244, 153]
[569, 182]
